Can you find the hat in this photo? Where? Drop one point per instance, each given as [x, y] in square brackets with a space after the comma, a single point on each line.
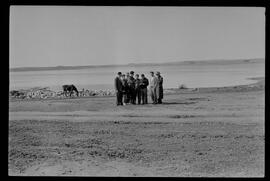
[131, 72]
[119, 73]
[137, 74]
[142, 74]
[151, 72]
[158, 73]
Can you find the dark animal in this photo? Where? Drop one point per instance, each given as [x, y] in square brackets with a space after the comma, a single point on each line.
[69, 89]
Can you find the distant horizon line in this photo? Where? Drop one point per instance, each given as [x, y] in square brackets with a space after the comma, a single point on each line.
[141, 63]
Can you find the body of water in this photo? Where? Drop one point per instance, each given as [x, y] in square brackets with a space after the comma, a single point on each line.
[192, 75]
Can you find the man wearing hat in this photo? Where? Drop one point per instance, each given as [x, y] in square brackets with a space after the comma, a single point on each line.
[131, 84]
[118, 89]
[137, 89]
[159, 90]
[125, 89]
[143, 85]
[153, 87]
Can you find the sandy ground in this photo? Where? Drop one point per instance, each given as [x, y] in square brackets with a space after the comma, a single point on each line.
[212, 132]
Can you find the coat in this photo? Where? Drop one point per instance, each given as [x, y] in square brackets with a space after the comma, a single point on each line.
[160, 87]
[137, 83]
[144, 83]
[153, 82]
[131, 82]
[125, 86]
[118, 84]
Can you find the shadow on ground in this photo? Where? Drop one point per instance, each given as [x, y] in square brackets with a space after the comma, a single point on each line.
[171, 103]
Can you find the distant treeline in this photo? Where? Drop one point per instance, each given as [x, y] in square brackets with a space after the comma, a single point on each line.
[191, 62]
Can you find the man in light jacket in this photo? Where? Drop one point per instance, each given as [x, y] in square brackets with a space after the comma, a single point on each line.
[153, 87]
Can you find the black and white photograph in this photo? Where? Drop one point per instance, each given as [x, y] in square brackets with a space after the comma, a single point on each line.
[136, 91]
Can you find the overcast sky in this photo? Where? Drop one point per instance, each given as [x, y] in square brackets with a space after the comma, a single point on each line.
[89, 35]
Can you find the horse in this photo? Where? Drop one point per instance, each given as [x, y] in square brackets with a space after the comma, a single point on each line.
[69, 89]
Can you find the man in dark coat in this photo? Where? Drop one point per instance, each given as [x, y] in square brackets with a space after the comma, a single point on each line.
[137, 89]
[131, 84]
[143, 85]
[118, 89]
[159, 90]
[125, 89]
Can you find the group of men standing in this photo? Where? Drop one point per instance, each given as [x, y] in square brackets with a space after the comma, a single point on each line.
[130, 89]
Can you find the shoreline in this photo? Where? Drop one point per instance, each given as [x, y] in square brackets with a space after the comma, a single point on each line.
[259, 85]
[186, 62]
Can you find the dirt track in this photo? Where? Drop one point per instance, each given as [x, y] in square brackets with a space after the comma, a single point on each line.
[196, 134]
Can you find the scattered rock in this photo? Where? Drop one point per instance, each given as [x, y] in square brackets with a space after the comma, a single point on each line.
[45, 93]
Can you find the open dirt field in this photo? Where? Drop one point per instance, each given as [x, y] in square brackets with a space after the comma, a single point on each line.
[210, 133]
